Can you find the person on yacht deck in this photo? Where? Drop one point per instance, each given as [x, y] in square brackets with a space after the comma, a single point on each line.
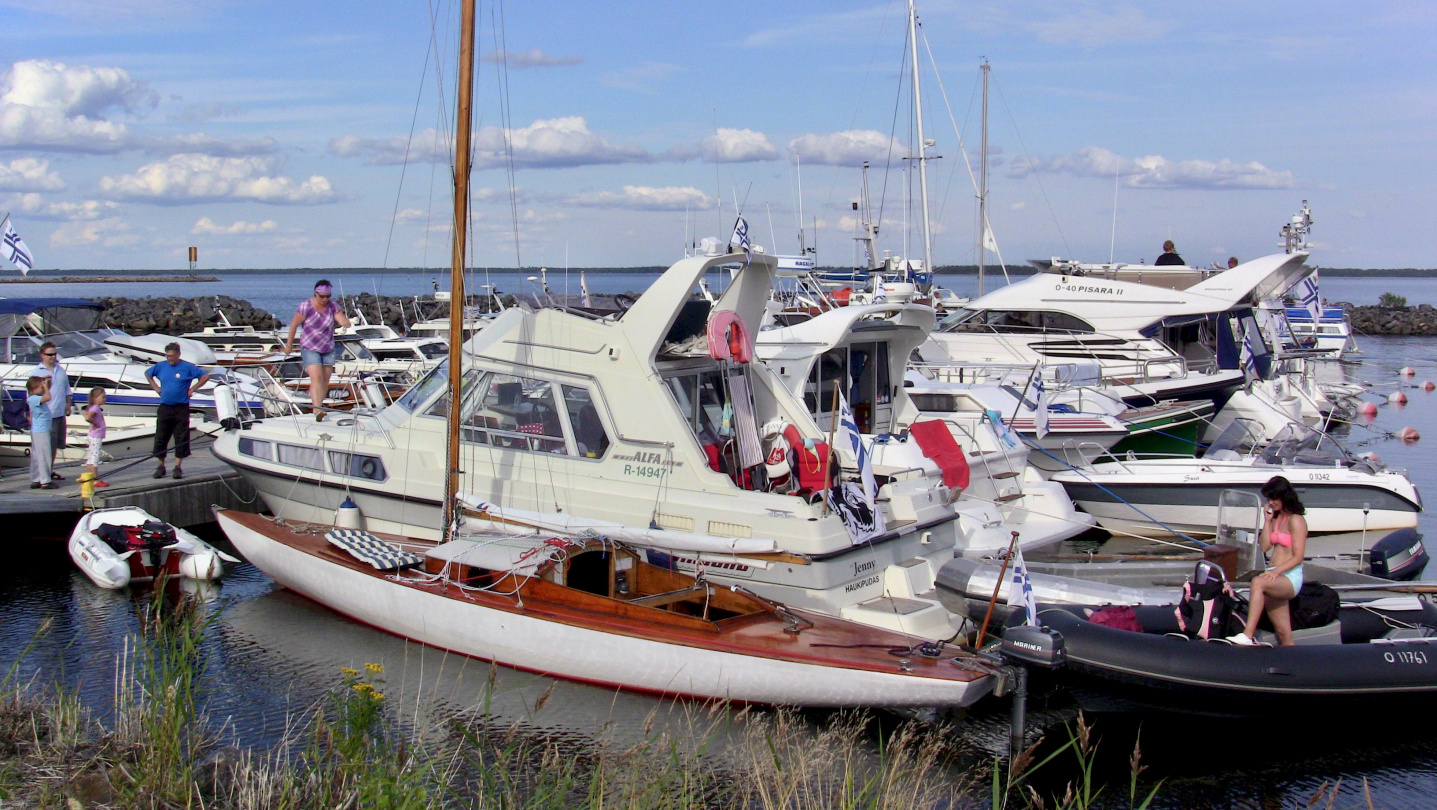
[1170, 255]
[317, 316]
[59, 402]
[1231, 262]
[1284, 536]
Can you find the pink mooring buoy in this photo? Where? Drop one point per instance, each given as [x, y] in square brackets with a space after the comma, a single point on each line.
[1368, 409]
[1397, 398]
[1429, 386]
[1407, 371]
[1409, 435]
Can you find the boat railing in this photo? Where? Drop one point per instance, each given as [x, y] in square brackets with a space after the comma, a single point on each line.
[1055, 375]
[1098, 452]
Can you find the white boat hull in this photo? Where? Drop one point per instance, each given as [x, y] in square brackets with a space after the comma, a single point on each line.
[583, 654]
[110, 570]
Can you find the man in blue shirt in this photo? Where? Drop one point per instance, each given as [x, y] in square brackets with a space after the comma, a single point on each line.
[174, 380]
[59, 403]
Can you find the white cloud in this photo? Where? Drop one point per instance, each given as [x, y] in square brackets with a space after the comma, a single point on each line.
[200, 143]
[550, 143]
[200, 113]
[533, 57]
[109, 232]
[49, 105]
[29, 174]
[35, 207]
[647, 198]
[848, 148]
[206, 227]
[1092, 28]
[729, 146]
[1156, 171]
[1018, 206]
[190, 178]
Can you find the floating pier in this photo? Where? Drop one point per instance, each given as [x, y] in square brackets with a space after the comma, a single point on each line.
[185, 502]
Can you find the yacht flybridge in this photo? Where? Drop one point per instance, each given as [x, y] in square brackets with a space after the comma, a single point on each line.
[1149, 343]
[654, 419]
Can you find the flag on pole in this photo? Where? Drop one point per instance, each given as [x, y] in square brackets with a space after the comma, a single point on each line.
[1020, 590]
[1247, 356]
[856, 503]
[740, 236]
[989, 242]
[15, 250]
[1308, 297]
[584, 285]
[1040, 408]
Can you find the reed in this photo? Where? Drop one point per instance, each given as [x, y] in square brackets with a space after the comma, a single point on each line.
[354, 750]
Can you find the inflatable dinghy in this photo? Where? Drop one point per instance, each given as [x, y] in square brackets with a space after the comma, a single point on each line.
[123, 545]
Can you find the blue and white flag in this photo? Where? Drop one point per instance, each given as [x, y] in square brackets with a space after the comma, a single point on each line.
[1308, 297]
[1247, 356]
[1020, 590]
[15, 250]
[1040, 408]
[740, 236]
[584, 285]
[856, 503]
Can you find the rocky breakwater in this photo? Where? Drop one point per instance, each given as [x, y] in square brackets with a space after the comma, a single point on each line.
[174, 316]
[1393, 320]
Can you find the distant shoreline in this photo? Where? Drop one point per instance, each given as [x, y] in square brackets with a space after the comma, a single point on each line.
[104, 279]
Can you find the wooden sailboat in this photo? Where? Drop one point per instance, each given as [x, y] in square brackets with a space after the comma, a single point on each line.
[589, 608]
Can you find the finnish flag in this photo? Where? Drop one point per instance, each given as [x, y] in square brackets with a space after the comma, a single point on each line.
[1040, 408]
[1020, 591]
[740, 236]
[15, 250]
[1247, 359]
[1309, 298]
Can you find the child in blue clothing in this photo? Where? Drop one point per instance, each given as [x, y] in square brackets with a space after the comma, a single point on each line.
[37, 391]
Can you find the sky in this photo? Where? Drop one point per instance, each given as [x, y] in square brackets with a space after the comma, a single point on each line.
[303, 134]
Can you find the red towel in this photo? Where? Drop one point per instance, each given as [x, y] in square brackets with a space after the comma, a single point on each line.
[938, 444]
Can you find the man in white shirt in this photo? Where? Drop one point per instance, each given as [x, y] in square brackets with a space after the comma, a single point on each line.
[59, 399]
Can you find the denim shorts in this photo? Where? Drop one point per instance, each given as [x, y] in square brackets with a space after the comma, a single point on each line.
[310, 357]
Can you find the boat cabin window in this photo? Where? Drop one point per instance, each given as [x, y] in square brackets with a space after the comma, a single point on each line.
[590, 438]
[404, 353]
[306, 457]
[434, 351]
[514, 413]
[371, 332]
[862, 372]
[357, 465]
[353, 350]
[702, 397]
[428, 385]
[254, 448]
[1014, 321]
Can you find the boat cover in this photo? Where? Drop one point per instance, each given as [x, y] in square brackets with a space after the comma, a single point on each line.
[937, 443]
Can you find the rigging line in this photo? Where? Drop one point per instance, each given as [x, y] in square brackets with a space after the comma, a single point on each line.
[506, 114]
[1032, 168]
[962, 148]
[404, 167]
[892, 132]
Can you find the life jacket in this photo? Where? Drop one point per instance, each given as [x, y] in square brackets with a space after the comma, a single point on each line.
[810, 465]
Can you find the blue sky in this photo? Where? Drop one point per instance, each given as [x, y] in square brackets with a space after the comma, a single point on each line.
[275, 134]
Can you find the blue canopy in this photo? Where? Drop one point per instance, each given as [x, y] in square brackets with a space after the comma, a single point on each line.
[25, 306]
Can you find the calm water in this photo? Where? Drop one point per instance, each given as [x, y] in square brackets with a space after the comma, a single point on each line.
[275, 656]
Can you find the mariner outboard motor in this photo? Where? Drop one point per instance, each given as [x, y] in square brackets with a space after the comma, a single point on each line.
[1399, 556]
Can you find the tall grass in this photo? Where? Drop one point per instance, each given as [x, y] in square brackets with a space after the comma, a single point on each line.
[352, 750]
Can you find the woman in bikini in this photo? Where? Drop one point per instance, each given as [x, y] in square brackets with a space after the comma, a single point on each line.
[1284, 538]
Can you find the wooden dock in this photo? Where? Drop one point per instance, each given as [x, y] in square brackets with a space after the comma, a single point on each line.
[185, 502]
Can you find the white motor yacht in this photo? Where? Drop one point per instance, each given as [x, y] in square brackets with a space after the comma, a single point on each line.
[637, 420]
[863, 349]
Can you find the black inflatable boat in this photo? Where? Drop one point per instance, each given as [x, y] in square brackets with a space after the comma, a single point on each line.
[1381, 653]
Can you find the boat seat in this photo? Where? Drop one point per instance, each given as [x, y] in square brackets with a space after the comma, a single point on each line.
[365, 547]
[1312, 636]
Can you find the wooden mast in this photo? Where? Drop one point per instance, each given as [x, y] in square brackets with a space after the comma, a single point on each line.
[462, 125]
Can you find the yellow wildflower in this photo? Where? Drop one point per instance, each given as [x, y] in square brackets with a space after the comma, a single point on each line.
[379, 696]
[349, 671]
[375, 668]
[362, 687]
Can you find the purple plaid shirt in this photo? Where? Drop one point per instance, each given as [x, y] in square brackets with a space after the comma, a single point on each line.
[317, 331]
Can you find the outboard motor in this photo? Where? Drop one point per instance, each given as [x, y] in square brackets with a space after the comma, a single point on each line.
[1399, 556]
[226, 407]
[1034, 646]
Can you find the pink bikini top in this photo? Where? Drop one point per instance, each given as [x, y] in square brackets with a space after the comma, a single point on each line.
[1283, 538]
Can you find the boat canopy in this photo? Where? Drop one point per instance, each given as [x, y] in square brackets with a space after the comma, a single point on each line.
[56, 314]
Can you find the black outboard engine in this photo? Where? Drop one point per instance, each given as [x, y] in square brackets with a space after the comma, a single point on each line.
[1034, 646]
[1400, 556]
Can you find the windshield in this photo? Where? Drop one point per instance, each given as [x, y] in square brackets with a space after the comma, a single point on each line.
[436, 379]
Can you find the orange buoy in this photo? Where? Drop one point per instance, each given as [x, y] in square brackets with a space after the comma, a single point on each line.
[1409, 435]
[1429, 386]
[1407, 371]
[1368, 409]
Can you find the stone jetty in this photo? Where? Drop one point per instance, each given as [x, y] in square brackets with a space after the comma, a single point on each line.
[175, 316]
[1420, 320]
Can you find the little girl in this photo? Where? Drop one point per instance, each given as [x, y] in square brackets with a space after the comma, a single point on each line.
[95, 415]
[37, 391]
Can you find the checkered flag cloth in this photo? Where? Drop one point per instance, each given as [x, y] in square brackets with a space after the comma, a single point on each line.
[532, 428]
[365, 547]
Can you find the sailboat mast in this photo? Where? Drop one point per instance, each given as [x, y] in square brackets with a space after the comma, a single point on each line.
[462, 125]
[922, 143]
[983, 187]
